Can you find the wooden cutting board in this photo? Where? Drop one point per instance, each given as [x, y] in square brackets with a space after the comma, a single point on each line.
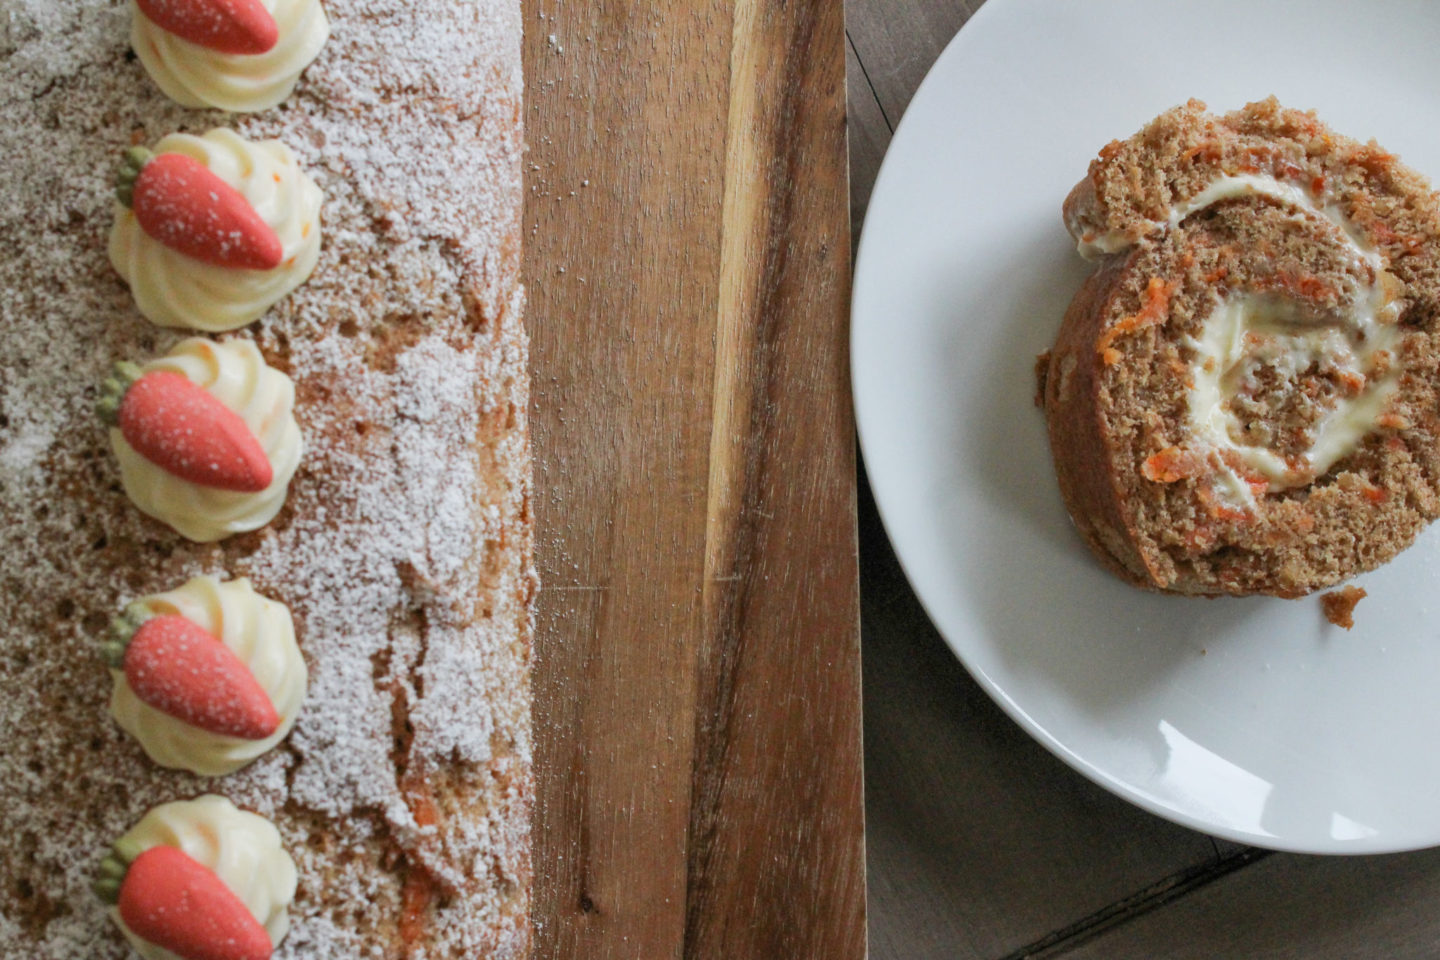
[698, 669]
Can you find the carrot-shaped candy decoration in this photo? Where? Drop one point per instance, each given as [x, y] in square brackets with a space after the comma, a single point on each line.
[180, 669]
[182, 204]
[184, 429]
[165, 897]
[225, 26]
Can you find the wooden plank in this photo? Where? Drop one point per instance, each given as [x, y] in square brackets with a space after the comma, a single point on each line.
[898, 40]
[777, 827]
[620, 397]
[1289, 907]
[979, 841]
[869, 136]
[697, 702]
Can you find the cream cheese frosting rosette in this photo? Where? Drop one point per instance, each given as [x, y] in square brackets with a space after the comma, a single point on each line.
[201, 59]
[182, 276]
[206, 437]
[200, 709]
[200, 878]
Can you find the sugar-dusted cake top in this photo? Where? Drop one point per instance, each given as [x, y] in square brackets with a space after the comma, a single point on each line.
[403, 547]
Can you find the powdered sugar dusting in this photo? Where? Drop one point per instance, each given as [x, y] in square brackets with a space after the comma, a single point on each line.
[404, 548]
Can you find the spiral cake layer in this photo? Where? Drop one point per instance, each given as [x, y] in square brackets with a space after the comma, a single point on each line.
[1243, 397]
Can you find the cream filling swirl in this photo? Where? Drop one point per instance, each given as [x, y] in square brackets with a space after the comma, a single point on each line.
[1247, 331]
[236, 374]
[174, 290]
[242, 848]
[1095, 245]
[196, 76]
[259, 631]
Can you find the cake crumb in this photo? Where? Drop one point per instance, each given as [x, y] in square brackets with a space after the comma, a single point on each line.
[1339, 605]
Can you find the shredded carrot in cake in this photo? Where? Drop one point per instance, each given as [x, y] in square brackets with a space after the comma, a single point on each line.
[419, 889]
[1200, 538]
[415, 897]
[1172, 464]
[1220, 510]
[1152, 313]
[1353, 383]
[1308, 124]
[1287, 169]
[1375, 160]
[1207, 150]
[1256, 158]
[1382, 233]
[1304, 285]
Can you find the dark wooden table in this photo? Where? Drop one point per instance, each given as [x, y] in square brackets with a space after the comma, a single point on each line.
[981, 844]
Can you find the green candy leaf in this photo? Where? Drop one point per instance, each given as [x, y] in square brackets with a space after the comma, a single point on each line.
[131, 163]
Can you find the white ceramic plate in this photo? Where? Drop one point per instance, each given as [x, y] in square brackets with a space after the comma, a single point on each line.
[1251, 719]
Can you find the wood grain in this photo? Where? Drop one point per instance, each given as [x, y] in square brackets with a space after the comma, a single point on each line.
[697, 676]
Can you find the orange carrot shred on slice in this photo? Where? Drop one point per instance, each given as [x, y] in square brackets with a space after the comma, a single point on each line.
[1172, 464]
[1306, 285]
[1218, 510]
[1353, 384]
[1152, 312]
[1200, 538]
[1287, 170]
[1382, 232]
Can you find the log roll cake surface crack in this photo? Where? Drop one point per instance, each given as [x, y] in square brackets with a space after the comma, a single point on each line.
[403, 549]
[1243, 396]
